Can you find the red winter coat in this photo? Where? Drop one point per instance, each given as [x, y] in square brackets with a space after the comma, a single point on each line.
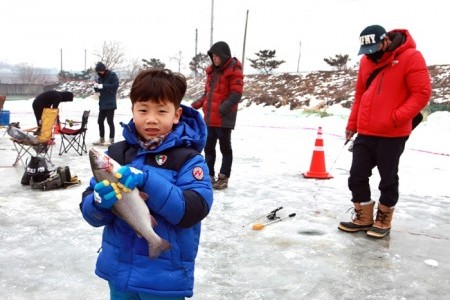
[396, 94]
[223, 91]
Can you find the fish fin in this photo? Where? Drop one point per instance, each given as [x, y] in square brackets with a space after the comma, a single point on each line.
[155, 251]
[143, 195]
[153, 221]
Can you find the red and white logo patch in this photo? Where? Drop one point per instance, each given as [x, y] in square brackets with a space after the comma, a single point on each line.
[198, 173]
[160, 159]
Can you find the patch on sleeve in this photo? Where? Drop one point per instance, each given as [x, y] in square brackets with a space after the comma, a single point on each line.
[198, 173]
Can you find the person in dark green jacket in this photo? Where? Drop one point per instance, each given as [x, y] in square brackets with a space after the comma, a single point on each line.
[107, 84]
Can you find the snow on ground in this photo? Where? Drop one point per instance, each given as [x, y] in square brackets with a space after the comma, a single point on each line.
[48, 251]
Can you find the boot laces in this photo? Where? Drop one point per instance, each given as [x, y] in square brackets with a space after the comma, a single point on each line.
[356, 213]
[382, 217]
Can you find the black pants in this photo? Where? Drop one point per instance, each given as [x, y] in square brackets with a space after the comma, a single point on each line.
[107, 114]
[384, 153]
[224, 137]
[38, 108]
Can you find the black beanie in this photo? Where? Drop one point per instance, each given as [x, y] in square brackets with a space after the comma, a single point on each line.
[66, 96]
[100, 67]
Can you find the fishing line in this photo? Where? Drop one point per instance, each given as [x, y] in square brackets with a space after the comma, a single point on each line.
[331, 168]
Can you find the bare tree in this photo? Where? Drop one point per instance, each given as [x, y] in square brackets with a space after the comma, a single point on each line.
[133, 68]
[28, 74]
[111, 54]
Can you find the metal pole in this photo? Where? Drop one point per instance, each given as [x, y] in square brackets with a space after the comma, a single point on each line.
[212, 22]
[61, 55]
[85, 60]
[299, 54]
[196, 40]
[245, 39]
[195, 57]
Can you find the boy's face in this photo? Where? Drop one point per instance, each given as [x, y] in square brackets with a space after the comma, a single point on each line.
[153, 119]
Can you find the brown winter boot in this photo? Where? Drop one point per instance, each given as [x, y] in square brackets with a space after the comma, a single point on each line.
[213, 180]
[363, 219]
[382, 225]
[221, 183]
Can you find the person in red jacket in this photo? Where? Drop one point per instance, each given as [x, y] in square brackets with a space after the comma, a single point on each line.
[223, 92]
[385, 104]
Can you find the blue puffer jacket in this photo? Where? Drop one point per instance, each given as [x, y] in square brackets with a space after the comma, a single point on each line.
[124, 257]
[107, 99]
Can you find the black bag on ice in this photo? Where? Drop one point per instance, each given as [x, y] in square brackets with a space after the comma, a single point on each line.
[60, 177]
[36, 169]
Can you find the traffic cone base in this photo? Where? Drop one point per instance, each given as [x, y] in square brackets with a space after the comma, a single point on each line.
[317, 168]
[318, 175]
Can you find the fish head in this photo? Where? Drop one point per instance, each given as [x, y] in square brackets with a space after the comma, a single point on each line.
[102, 166]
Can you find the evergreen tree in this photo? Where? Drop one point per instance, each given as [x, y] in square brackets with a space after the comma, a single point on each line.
[153, 63]
[339, 61]
[199, 63]
[266, 62]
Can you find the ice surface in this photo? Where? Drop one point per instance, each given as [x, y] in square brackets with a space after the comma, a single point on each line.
[47, 251]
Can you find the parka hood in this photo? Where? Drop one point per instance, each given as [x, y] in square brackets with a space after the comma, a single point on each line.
[220, 49]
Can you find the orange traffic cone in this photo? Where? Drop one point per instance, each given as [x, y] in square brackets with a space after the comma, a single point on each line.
[317, 168]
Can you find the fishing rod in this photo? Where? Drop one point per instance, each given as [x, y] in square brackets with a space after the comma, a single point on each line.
[259, 226]
[271, 216]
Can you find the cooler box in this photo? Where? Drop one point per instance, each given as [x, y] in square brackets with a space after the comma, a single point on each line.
[4, 117]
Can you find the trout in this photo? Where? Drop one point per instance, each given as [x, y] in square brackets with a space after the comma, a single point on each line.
[131, 207]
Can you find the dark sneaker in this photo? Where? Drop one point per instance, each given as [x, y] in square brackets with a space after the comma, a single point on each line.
[221, 183]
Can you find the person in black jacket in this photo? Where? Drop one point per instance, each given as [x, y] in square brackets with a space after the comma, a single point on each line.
[107, 85]
[49, 99]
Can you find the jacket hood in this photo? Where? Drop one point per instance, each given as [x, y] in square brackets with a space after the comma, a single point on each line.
[220, 49]
[189, 132]
[401, 40]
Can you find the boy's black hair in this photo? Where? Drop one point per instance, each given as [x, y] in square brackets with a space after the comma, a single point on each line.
[158, 85]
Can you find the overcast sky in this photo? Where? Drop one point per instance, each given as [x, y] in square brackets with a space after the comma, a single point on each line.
[34, 31]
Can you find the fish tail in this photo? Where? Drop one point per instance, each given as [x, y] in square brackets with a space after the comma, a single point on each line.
[155, 250]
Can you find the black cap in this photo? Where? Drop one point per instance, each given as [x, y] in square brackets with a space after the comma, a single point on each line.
[370, 39]
[100, 67]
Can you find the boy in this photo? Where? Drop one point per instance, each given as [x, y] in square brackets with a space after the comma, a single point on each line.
[161, 157]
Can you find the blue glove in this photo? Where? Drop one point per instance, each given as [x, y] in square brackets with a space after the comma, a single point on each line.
[129, 178]
[106, 194]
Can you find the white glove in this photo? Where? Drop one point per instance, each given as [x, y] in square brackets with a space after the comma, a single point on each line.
[95, 85]
[99, 86]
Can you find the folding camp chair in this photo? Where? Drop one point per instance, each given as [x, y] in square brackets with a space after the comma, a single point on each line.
[42, 145]
[74, 137]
